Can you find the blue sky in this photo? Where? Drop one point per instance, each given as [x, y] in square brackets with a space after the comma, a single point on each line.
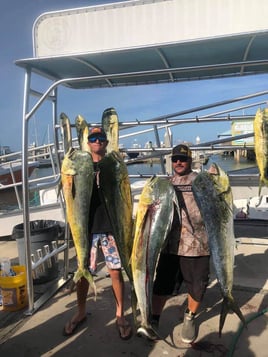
[131, 103]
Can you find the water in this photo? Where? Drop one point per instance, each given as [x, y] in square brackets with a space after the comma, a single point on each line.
[227, 163]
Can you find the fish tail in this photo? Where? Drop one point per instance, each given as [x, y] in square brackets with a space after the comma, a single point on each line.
[260, 187]
[80, 273]
[134, 303]
[229, 304]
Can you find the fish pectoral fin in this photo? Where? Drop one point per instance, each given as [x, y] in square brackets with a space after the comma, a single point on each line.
[224, 203]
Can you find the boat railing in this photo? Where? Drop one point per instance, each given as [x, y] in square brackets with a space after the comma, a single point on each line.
[44, 156]
[38, 157]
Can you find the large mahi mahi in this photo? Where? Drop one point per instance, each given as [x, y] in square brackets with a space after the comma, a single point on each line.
[66, 132]
[115, 188]
[110, 125]
[213, 195]
[77, 182]
[82, 132]
[260, 126]
[156, 208]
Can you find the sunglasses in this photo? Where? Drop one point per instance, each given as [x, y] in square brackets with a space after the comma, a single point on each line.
[93, 139]
[179, 158]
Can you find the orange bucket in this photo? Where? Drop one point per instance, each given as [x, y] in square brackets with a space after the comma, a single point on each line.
[14, 289]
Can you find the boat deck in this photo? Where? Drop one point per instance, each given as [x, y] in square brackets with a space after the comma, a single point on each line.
[41, 334]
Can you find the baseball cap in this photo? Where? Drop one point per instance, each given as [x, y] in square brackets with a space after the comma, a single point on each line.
[181, 150]
[96, 131]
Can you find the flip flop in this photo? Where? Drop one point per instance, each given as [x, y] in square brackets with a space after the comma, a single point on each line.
[124, 330]
[73, 325]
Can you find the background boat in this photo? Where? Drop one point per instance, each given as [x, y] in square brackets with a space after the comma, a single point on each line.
[11, 172]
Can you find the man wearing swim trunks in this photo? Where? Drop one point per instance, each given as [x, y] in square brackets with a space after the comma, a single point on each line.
[100, 230]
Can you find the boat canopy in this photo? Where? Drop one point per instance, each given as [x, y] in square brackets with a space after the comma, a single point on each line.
[143, 42]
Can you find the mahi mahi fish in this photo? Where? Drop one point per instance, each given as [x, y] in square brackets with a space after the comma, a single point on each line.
[213, 195]
[82, 132]
[77, 175]
[260, 126]
[115, 187]
[66, 132]
[156, 208]
[110, 125]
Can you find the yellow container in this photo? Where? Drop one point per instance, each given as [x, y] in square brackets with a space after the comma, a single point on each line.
[14, 289]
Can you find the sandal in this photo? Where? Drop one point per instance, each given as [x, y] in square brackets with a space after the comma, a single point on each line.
[124, 330]
[72, 326]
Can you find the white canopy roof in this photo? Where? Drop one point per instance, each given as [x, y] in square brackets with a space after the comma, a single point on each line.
[138, 42]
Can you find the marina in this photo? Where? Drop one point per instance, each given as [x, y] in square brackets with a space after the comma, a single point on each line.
[146, 56]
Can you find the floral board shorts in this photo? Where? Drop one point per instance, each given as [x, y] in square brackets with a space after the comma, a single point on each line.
[109, 249]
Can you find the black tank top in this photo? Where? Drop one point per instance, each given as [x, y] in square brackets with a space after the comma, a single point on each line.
[99, 221]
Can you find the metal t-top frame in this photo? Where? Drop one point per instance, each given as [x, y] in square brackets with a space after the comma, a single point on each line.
[52, 94]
